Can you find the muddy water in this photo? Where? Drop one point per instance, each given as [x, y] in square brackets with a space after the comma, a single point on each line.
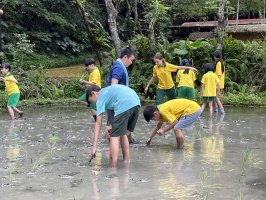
[45, 156]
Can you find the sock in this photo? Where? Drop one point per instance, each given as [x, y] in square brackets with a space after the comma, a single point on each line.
[215, 109]
[222, 110]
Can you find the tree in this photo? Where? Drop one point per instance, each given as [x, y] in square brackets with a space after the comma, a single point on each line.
[221, 24]
[112, 14]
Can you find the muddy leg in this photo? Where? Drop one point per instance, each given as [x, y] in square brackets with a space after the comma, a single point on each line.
[179, 138]
[114, 149]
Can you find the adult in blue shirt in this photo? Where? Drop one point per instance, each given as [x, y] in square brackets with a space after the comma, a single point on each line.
[119, 75]
[115, 97]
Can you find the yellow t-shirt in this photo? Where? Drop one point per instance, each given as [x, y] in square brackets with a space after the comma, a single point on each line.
[174, 109]
[210, 81]
[186, 80]
[11, 87]
[165, 80]
[95, 76]
[218, 72]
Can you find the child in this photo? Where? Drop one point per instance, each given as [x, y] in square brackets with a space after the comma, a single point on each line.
[210, 82]
[162, 70]
[219, 70]
[181, 113]
[185, 79]
[12, 89]
[126, 104]
[94, 79]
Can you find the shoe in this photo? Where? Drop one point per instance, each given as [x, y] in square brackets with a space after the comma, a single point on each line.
[21, 115]
[131, 140]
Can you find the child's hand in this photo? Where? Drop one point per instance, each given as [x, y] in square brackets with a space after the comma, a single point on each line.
[81, 80]
[160, 132]
[148, 141]
[92, 155]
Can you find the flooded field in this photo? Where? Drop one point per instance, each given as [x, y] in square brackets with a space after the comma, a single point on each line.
[45, 156]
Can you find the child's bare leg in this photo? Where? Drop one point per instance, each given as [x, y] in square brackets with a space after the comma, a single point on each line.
[210, 108]
[179, 138]
[125, 148]
[17, 110]
[11, 112]
[203, 106]
[114, 149]
[107, 133]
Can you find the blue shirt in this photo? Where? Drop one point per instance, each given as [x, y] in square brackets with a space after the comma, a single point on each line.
[118, 71]
[119, 98]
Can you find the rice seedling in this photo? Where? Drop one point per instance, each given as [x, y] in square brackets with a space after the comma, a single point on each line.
[247, 158]
[38, 162]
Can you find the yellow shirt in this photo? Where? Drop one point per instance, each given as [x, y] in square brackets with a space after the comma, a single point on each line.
[218, 71]
[165, 80]
[11, 87]
[210, 81]
[95, 76]
[186, 80]
[174, 109]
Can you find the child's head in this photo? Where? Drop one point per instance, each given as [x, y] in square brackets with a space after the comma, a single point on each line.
[5, 67]
[151, 113]
[90, 63]
[92, 93]
[209, 67]
[185, 62]
[159, 59]
[217, 55]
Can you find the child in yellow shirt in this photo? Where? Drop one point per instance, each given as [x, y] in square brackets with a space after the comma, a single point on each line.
[210, 82]
[12, 89]
[181, 113]
[162, 70]
[94, 79]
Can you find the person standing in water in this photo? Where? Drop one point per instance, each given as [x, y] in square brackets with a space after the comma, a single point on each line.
[94, 79]
[219, 70]
[12, 89]
[162, 70]
[185, 79]
[119, 75]
[209, 87]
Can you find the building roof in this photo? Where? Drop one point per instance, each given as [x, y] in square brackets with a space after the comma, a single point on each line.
[228, 23]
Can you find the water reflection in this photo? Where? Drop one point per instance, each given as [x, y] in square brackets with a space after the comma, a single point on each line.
[210, 162]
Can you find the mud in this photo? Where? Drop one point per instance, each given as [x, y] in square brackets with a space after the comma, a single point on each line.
[45, 156]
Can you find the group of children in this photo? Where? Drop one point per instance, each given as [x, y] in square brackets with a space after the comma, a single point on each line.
[123, 104]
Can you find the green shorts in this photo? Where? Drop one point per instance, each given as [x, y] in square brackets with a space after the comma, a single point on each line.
[91, 105]
[125, 121]
[170, 93]
[209, 98]
[13, 99]
[186, 92]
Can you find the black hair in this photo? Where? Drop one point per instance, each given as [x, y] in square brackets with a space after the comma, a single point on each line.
[209, 67]
[127, 52]
[148, 112]
[7, 66]
[218, 54]
[92, 88]
[89, 61]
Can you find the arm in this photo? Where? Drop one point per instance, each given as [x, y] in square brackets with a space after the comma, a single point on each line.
[202, 89]
[148, 85]
[87, 82]
[97, 129]
[114, 81]
[187, 67]
[167, 128]
[153, 133]
[9, 79]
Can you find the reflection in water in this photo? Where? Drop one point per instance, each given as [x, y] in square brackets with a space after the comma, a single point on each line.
[213, 145]
[210, 162]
